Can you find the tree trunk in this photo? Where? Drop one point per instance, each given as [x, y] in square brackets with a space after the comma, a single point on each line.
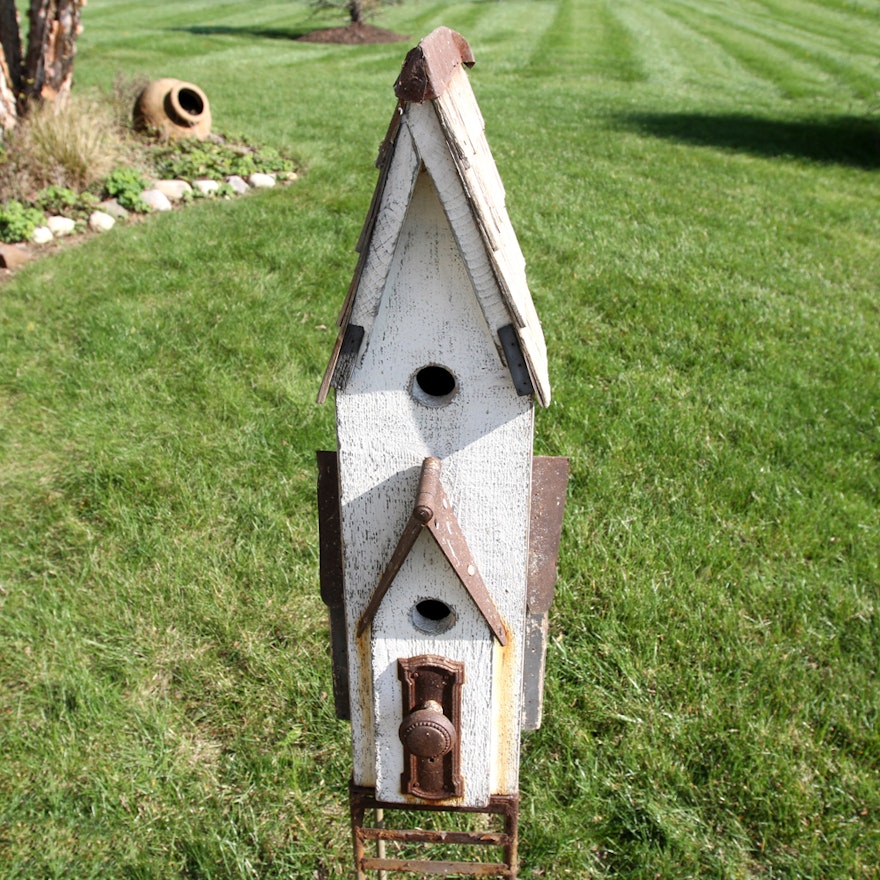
[10, 64]
[46, 72]
[54, 27]
[357, 11]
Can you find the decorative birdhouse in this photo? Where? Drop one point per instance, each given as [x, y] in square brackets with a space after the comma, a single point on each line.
[439, 529]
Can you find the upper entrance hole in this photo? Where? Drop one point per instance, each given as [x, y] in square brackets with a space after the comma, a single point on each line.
[434, 385]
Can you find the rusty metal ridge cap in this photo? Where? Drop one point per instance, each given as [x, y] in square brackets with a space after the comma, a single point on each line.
[429, 67]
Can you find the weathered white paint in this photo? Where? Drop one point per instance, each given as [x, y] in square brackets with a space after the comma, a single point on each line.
[429, 140]
[427, 575]
[428, 312]
[376, 258]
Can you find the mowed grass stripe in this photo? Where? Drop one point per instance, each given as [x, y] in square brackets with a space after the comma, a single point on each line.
[676, 53]
[847, 55]
[587, 40]
[798, 64]
[845, 21]
[506, 36]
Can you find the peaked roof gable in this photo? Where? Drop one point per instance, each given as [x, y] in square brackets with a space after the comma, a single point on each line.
[438, 126]
[433, 513]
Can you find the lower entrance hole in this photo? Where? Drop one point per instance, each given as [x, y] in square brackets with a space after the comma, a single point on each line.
[432, 616]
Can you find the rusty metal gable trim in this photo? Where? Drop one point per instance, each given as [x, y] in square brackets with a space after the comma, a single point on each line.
[433, 512]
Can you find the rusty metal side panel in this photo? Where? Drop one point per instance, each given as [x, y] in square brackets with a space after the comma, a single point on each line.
[535, 662]
[330, 568]
[549, 480]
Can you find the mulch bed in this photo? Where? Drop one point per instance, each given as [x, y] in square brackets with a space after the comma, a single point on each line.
[353, 35]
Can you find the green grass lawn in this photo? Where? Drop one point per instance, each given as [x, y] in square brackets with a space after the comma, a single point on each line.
[695, 187]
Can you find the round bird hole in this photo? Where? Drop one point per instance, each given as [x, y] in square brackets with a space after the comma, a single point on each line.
[433, 385]
[433, 617]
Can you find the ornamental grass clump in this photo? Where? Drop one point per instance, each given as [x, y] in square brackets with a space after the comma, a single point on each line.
[72, 144]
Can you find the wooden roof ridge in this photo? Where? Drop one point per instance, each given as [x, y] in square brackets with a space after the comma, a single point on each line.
[429, 73]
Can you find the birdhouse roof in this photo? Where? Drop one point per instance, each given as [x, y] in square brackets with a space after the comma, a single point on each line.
[437, 127]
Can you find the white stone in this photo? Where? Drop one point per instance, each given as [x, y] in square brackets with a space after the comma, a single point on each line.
[42, 235]
[99, 221]
[174, 190]
[238, 184]
[206, 187]
[114, 209]
[61, 226]
[156, 200]
[259, 180]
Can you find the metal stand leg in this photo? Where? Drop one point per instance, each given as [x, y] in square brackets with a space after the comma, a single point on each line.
[357, 823]
[380, 843]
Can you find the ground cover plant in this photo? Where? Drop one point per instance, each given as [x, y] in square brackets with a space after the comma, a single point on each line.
[64, 157]
[695, 186]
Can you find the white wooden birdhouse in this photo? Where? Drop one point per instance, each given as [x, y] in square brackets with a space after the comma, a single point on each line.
[439, 529]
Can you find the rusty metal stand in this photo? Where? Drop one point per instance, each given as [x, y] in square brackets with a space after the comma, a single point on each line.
[507, 806]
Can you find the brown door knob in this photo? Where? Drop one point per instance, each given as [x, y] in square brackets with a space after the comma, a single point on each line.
[427, 732]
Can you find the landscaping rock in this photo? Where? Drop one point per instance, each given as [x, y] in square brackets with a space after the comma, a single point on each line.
[100, 221]
[174, 190]
[61, 226]
[238, 184]
[289, 176]
[13, 256]
[259, 180]
[156, 200]
[206, 187]
[42, 235]
[114, 209]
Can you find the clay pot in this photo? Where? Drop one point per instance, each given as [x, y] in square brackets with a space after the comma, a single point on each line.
[174, 109]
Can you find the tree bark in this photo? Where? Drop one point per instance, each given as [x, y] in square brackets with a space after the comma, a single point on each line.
[46, 72]
[10, 64]
[48, 67]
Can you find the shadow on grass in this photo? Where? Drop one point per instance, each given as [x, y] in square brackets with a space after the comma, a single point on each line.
[842, 140]
[266, 33]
